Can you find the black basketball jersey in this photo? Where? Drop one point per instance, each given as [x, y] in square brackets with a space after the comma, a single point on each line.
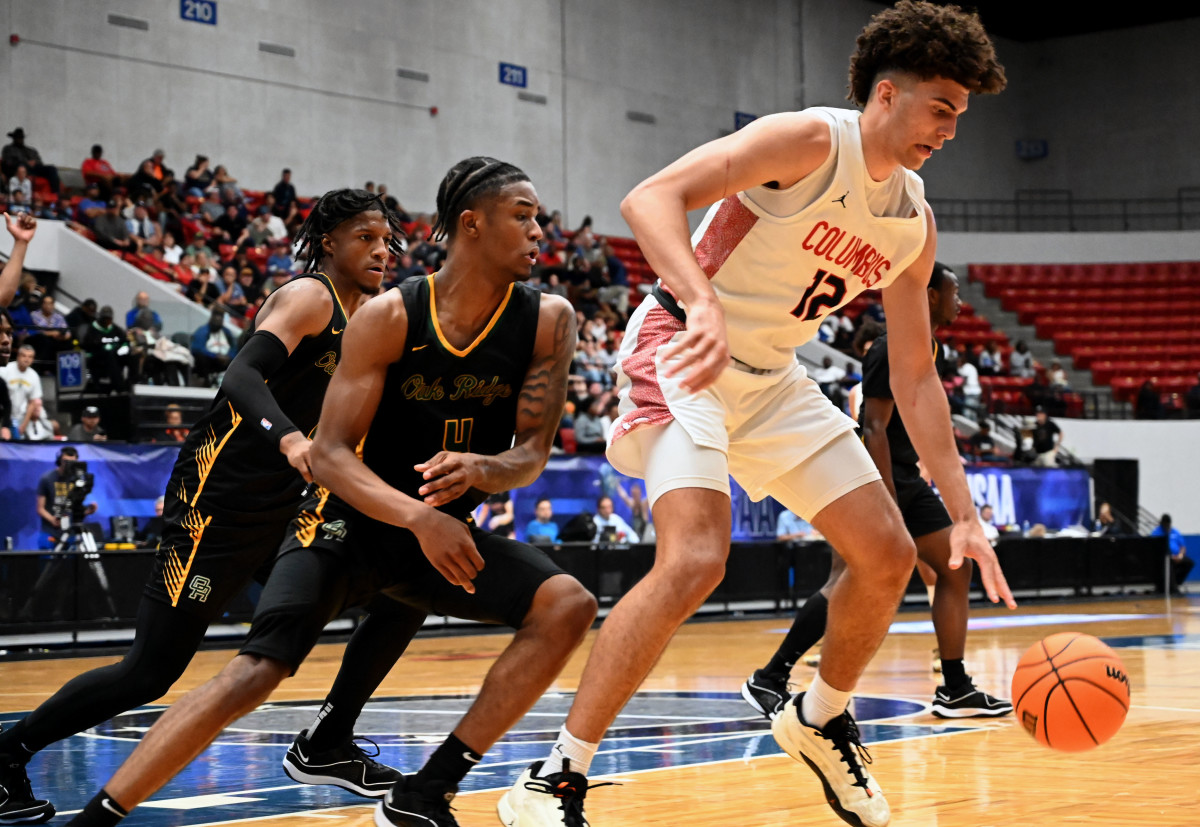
[877, 384]
[228, 466]
[438, 397]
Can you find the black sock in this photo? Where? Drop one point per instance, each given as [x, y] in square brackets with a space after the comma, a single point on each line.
[101, 811]
[450, 763]
[954, 674]
[11, 747]
[371, 652]
[807, 629]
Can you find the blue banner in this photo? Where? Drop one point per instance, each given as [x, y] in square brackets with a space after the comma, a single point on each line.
[1054, 497]
[128, 479]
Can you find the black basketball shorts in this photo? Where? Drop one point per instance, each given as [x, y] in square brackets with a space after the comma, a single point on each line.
[204, 561]
[333, 558]
[922, 510]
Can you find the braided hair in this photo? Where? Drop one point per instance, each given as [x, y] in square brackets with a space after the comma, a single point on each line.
[465, 183]
[332, 209]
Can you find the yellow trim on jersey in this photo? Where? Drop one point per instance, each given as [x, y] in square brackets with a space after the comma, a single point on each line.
[206, 454]
[310, 521]
[176, 571]
[483, 335]
[336, 297]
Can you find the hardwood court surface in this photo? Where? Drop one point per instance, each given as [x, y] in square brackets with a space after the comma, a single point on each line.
[696, 754]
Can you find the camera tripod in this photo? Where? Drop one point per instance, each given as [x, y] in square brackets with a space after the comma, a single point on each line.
[74, 539]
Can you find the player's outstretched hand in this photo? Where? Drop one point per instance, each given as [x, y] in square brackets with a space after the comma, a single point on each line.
[967, 540]
[21, 226]
[448, 545]
[296, 447]
[448, 476]
[702, 351]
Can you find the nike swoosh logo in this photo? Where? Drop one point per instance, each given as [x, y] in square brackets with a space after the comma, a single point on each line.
[108, 805]
[300, 752]
[335, 331]
[419, 347]
[470, 758]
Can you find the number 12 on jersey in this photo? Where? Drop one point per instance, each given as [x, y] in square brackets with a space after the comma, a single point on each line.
[812, 303]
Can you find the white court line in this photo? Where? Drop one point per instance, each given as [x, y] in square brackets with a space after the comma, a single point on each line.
[1166, 708]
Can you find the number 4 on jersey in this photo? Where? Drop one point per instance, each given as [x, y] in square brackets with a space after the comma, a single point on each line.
[813, 305]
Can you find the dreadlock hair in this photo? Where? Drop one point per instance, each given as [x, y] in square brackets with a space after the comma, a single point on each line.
[332, 209]
[465, 183]
[927, 41]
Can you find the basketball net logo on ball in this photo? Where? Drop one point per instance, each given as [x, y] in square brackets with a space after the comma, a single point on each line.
[1070, 692]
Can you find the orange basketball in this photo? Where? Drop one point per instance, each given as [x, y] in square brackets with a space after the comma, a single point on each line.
[1070, 692]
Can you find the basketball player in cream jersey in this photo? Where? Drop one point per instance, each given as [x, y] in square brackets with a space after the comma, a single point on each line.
[809, 209]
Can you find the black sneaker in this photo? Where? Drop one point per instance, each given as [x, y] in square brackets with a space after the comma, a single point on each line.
[346, 766]
[766, 693]
[407, 805]
[17, 804]
[968, 702]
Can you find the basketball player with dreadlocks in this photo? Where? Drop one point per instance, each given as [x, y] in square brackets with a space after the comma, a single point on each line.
[234, 489]
[474, 364]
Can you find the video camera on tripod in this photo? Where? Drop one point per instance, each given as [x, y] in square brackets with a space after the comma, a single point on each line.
[80, 483]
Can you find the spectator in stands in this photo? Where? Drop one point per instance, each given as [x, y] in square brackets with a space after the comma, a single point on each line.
[1181, 565]
[107, 346]
[1020, 363]
[1191, 401]
[88, 429]
[112, 233]
[790, 527]
[40, 209]
[553, 286]
[212, 210]
[983, 444]
[233, 298]
[213, 346]
[53, 334]
[971, 390]
[590, 427]
[1107, 523]
[259, 229]
[231, 227]
[21, 183]
[198, 178]
[144, 183]
[991, 360]
[285, 196]
[610, 526]
[148, 535]
[141, 301]
[1148, 404]
[174, 431]
[227, 185]
[986, 515]
[24, 386]
[204, 288]
[829, 377]
[157, 168]
[18, 153]
[542, 530]
[171, 253]
[96, 170]
[1047, 437]
[17, 203]
[91, 206]
[1056, 377]
[81, 316]
[144, 229]
[280, 259]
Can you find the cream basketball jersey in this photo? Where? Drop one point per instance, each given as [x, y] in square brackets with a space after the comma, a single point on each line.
[782, 260]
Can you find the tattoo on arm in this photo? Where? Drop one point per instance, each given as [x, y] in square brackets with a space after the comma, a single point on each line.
[544, 393]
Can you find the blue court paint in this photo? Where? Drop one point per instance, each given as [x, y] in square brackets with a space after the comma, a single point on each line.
[239, 776]
[1185, 642]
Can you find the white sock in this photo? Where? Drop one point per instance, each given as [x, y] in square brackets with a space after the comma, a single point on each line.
[822, 703]
[579, 753]
[929, 594]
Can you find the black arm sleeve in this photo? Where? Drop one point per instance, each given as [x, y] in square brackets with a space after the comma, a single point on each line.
[245, 384]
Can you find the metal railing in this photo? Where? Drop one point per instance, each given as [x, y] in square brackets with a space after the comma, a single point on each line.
[1057, 211]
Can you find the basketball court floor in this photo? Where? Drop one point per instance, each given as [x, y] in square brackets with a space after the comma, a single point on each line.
[688, 750]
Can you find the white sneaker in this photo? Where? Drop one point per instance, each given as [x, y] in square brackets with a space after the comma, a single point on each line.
[555, 800]
[834, 754]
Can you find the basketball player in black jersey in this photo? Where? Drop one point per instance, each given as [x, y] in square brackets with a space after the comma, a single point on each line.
[927, 522]
[453, 385]
[233, 491]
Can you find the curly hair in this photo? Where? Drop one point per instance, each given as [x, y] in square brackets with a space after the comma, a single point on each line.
[928, 41]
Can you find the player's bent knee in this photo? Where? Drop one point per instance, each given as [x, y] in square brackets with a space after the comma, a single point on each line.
[564, 604]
